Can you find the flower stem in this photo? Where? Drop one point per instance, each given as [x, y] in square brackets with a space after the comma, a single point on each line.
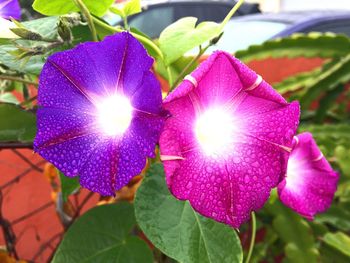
[190, 64]
[12, 78]
[28, 101]
[252, 239]
[85, 11]
[142, 39]
[231, 13]
[126, 25]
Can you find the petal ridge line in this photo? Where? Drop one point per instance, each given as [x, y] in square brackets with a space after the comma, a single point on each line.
[257, 82]
[191, 79]
[171, 158]
[70, 79]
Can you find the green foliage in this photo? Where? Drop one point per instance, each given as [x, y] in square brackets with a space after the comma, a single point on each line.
[68, 185]
[103, 234]
[342, 154]
[8, 97]
[330, 136]
[175, 68]
[336, 216]
[339, 241]
[184, 35]
[62, 7]
[295, 82]
[299, 45]
[16, 125]
[10, 53]
[295, 232]
[177, 230]
[127, 8]
[329, 80]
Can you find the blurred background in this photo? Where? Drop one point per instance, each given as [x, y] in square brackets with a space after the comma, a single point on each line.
[301, 47]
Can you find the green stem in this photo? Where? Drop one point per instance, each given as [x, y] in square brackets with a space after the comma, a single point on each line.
[252, 240]
[126, 25]
[183, 72]
[28, 101]
[231, 13]
[12, 78]
[142, 39]
[170, 77]
[85, 11]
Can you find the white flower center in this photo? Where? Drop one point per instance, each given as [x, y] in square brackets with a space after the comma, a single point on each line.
[214, 130]
[114, 114]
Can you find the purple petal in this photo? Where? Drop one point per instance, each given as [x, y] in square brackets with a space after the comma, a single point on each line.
[310, 182]
[10, 9]
[71, 88]
[96, 69]
[227, 188]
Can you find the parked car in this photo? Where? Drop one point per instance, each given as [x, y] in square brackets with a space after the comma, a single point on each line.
[241, 32]
[157, 15]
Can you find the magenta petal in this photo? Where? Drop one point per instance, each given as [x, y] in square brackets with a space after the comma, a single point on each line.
[310, 182]
[74, 85]
[10, 9]
[227, 188]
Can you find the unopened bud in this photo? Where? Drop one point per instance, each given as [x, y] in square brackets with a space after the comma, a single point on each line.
[64, 31]
[26, 34]
[216, 39]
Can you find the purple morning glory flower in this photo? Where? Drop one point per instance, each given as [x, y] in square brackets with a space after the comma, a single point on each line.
[100, 112]
[10, 8]
[310, 182]
[228, 139]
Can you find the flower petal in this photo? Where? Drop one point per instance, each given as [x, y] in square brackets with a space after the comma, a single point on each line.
[227, 188]
[72, 86]
[99, 172]
[96, 69]
[10, 8]
[310, 182]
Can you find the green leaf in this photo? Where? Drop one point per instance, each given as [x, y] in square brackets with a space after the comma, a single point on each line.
[16, 125]
[177, 230]
[184, 35]
[322, 45]
[336, 216]
[295, 82]
[328, 131]
[127, 8]
[295, 232]
[8, 97]
[327, 102]
[103, 235]
[45, 27]
[68, 185]
[339, 241]
[62, 7]
[338, 74]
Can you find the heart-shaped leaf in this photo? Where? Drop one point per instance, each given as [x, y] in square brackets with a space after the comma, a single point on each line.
[62, 7]
[103, 235]
[184, 35]
[177, 230]
[16, 125]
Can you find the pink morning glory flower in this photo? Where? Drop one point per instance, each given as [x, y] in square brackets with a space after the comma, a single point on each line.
[228, 139]
[100, 112]
[310, 182]
[10, 9]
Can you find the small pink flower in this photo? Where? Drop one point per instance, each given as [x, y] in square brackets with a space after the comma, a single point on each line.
[228, 139]
[310, 182]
